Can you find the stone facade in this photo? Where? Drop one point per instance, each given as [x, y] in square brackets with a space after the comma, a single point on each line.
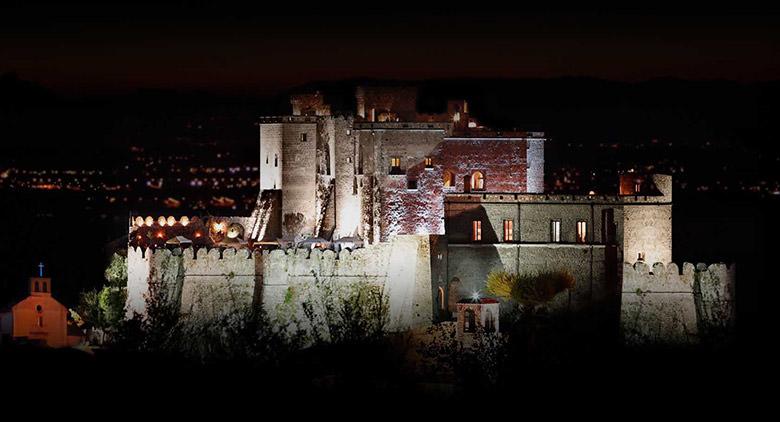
[660, 304]
[209, 283]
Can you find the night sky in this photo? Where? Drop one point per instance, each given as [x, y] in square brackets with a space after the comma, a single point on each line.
[97, 48]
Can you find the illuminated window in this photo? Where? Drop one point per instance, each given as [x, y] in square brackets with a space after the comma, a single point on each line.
[509, 230]
[449, 179]
[456, 117]
[428, 162]
[477, 181]
[442, 304]
[555, 230]
[476, 230]
[637, 187]
[303, 137]
[582, 232]
[395, 165]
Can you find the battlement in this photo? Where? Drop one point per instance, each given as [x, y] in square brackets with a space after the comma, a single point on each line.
[210, 281]
[663, 305]
[442, 126]
[644, 278]
[289, 119]
[510, 197]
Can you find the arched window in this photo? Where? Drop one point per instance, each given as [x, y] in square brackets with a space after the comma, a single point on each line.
[490, 322]
[37, 287]
[276, 160]
[449, 179]
[469, 321]
[45, 287]
[477, 181]
[442, 303]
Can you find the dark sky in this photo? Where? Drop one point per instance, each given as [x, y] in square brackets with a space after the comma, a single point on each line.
[87, 48]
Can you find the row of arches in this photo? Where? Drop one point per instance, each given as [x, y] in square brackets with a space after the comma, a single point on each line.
[474, 182]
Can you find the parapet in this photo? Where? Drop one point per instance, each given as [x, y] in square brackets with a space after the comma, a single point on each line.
[670, 278]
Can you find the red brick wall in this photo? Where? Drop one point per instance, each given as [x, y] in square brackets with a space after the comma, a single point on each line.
[502, 162]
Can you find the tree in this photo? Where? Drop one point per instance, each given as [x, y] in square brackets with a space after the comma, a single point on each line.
[116, 272]
[529, 290]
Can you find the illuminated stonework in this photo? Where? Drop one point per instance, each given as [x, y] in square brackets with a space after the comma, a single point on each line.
[386, 178]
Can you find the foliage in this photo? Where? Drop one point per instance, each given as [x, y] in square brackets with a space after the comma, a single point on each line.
[356, 313]
[111, 301]
[478, 364]
[529, 290]
[116, 272]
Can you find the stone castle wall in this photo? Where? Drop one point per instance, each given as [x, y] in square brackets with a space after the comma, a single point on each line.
[469, 265]
[210, 283]
[647, 229]
[663, 305]
[203, 282]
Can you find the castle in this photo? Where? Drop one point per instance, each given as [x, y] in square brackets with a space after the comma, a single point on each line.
[424, 205]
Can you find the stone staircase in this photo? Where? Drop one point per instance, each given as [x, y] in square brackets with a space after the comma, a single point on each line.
[261, 214]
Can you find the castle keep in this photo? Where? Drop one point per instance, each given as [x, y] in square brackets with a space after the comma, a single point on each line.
[423, 205]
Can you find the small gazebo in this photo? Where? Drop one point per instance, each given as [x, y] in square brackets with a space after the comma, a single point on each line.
[477, 314]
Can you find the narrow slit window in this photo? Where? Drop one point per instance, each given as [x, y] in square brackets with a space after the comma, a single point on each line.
[509, 235]
[303, 137]
[276, 160]
[476, 230]
[555, 231]
[582, 232]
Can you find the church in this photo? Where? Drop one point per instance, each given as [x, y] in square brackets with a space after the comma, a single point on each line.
[39, 318]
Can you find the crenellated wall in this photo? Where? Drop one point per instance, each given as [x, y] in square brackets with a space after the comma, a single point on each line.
[205, 282]
[208, 283]
[663, 305]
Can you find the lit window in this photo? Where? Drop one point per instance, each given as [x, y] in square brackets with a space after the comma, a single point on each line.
[477, 181]
[303, 137]
[456, 117]
[476, 230]
[428, 162]
[637, 187]
[555, 231]
[395, 165]
[509, 230]
[449, 179]
[582, 232]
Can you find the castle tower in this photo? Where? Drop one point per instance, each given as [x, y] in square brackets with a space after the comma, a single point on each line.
[647, 227]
